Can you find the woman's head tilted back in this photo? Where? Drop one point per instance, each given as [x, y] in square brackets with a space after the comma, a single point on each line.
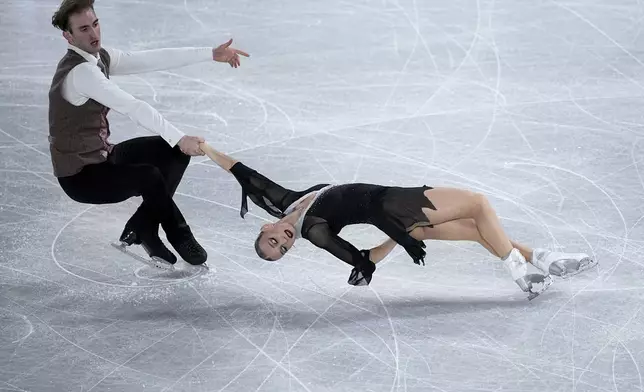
[274, 240]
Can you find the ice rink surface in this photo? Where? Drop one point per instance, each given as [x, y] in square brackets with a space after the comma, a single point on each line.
[536, 104]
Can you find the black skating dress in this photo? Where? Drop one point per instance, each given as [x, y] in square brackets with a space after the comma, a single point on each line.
[394, 210]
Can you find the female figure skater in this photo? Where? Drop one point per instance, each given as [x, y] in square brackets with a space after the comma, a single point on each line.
[407, 215]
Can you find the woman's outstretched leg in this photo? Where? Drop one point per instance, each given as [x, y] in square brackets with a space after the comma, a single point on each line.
[469, 229]
[455, 204]
[464, 230]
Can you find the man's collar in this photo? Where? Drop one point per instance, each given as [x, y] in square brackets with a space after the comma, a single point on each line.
[87, 56]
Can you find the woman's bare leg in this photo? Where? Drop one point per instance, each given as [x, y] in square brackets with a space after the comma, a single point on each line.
[454, 204]
[456, 230]
[463, 230]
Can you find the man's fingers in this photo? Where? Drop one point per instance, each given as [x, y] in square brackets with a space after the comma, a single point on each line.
[227, 44]
[242, 53]
[234, 62]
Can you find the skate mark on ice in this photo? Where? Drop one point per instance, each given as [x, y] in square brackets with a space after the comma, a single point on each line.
[250, 341]
[338, 299]
[393, 335]
[59, 264]
[403, 71]
[466, 56]
[594, 184]
[630, 354]
[497, 93]
[639, 175]
[90, 352]
[30, 327]
[38, 277]
[132, 357]
[13, 387]
[96, 272]
[239, 95]
[275, 322]
[610, 341]
[366, 327]
[600, 31]
[154, 90]
[174, 276]
[191, 15]
[517, 365]
[230, 341]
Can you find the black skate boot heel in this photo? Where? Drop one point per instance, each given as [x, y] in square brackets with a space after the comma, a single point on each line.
[159, 255]
[187, 246]
[129, 237]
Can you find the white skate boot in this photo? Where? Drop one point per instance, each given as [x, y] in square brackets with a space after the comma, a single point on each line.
[561, 264]
[517, 266]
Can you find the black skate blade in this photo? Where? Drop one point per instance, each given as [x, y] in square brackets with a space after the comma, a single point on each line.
[154, 261]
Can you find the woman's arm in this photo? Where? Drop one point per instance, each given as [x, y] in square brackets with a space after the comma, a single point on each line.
[221, 159]
[266, 194]
[381, 251]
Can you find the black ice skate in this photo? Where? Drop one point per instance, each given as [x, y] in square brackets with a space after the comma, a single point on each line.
[159, 255]
[187, 246]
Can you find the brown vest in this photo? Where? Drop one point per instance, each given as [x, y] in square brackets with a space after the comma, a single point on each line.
[77, 134]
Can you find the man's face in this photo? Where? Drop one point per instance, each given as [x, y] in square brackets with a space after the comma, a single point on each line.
[85, 32]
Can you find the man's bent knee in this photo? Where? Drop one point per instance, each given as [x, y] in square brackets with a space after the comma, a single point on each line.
[151, 178]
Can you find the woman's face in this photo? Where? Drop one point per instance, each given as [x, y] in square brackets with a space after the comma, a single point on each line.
[275, 240]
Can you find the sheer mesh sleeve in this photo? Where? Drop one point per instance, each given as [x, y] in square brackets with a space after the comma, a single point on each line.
[265, 193]
[320, 234]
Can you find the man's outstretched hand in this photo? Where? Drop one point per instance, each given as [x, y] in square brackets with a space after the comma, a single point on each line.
[189, 145]
[225, 54]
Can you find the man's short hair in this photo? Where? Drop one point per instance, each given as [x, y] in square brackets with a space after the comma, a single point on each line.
[60, 20]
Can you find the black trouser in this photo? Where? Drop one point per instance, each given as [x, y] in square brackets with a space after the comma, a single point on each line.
[146, 167]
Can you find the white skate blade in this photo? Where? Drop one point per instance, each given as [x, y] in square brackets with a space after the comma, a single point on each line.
[537, 285]
[567, 268]
[153, 261]
[534, 284]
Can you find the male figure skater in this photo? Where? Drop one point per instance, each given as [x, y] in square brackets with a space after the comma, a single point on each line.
[92, 170]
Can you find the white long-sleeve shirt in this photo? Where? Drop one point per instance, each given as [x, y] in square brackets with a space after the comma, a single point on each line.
[86, 81]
